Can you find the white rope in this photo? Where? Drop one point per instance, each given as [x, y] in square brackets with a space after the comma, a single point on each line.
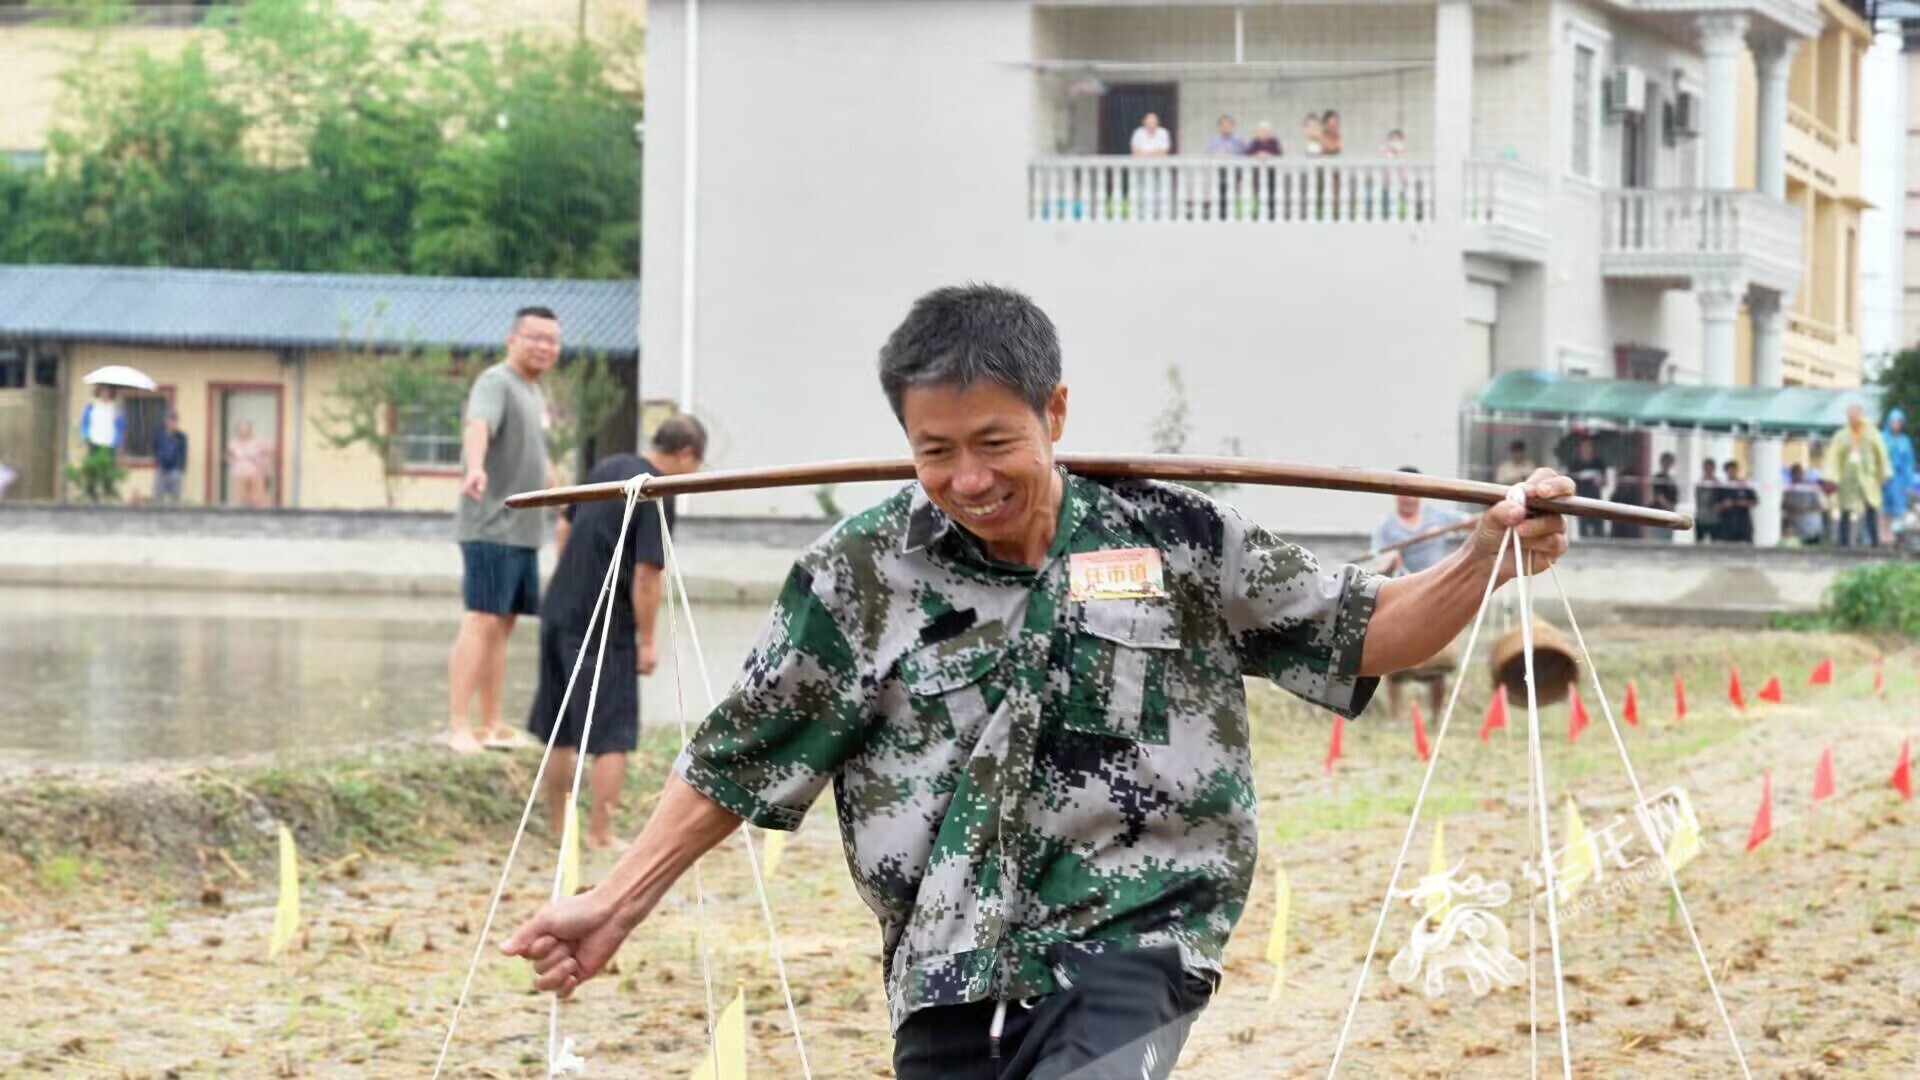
[746, 832]
[699, 888]
[601, 606]
[1646, 824]
[1523, 595]
[560, 1056]
[1413, 822]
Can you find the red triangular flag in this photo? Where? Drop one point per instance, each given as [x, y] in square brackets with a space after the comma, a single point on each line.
[1496, 713]
[1763, 820]
[1420, 734]
[1633, 706]
[1903, 772]
[1823, 777]
[1577, 723]
[1333, 748]
[1733, 691]
[1771, 691]
[1679, 699]
[1879, 676]
[1822, 674]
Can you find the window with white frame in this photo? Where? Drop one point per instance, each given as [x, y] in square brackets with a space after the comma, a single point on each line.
[1586, 52]
[427, 436]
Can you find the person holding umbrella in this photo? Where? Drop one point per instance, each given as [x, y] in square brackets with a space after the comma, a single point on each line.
[103, 427]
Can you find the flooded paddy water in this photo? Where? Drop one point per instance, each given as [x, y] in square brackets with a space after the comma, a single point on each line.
[115, 676]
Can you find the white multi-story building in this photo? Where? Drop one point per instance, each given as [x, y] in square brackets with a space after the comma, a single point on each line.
[1568, 202]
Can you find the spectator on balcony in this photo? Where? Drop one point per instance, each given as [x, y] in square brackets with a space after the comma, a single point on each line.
[1664, 494]
[1224, 142]
[1706, 493]
[1857, 465]
[1150, 139]
[1330, 141]
[1803, 508]
[1265, 143]
[1589, 474]
[1395, 146]
[1310, 134]
[1517, 467]
[1735, 507]
[1893, 493]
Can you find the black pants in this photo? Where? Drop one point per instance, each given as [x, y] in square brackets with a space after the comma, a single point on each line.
[1869, 528]
[1127, 1015]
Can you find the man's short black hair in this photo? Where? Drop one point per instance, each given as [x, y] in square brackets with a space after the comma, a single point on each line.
[958, 335]
[534, 311]
[1409, 468]
[1517, 444]
[680, 432]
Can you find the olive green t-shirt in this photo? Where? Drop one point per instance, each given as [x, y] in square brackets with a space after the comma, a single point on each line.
[515, 412]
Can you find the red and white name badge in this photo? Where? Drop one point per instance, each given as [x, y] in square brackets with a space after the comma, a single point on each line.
[1120, 574]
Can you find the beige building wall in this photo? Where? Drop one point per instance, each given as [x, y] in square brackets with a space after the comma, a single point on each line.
[1824, 179]
[33, 58]
[1910, 242]
[192, 379]
[353, 478]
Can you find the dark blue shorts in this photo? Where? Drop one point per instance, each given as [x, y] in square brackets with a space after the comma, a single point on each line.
[500, 579]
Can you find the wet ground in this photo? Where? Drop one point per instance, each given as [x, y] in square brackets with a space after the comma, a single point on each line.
[1814, 938]
[103, 676]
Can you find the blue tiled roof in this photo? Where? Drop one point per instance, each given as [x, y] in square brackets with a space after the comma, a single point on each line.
[239, 309]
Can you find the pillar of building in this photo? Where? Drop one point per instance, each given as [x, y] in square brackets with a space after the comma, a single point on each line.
[1722, 38]
[1773, 63]
[1766, 311]
[1452, 105]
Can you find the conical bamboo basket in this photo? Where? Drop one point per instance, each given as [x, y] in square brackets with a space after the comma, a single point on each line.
[1554, 668]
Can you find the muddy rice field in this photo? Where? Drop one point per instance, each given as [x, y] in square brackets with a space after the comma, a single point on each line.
[136, 903]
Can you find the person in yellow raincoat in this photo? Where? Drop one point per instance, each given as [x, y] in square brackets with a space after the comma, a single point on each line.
[1856, 463]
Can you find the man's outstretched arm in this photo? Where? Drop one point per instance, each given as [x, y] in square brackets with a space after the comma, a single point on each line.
[571, 939]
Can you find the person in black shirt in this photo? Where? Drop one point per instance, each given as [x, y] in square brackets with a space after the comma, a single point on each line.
[1629, 488]
[586, 537]
[1735, 505]
[1589, 480]
[1706, 498]
[1664, 493]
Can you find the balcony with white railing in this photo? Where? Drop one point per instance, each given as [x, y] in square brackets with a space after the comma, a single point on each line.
[1108, 189]
[1671, 237]
[1505, 208]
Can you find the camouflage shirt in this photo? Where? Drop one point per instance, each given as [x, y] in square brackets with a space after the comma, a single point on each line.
[1019, 774]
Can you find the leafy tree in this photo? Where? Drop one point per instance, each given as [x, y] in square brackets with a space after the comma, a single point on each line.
[1174, 426]
[584, 395]
[302, 139]
[1901, 377]
[376, 389]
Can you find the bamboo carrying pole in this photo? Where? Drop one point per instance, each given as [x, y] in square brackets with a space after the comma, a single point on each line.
[1117, 466]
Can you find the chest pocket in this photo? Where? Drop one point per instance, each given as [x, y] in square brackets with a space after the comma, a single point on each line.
[1121, 652]
[952, 694]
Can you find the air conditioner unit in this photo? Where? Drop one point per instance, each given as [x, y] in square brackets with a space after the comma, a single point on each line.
[1686, 113]
[1626, 90]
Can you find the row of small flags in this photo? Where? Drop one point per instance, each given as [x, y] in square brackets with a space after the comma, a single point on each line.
[1578, 721]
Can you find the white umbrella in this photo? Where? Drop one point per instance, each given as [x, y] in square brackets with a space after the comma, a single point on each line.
[121, 375]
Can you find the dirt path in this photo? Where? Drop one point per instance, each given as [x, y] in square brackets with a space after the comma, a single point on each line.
[1815, 938]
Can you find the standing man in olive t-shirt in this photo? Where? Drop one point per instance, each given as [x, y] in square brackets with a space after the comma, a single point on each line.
[504, 449]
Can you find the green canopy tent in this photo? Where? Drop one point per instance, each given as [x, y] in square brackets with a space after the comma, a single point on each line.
[1784, 412]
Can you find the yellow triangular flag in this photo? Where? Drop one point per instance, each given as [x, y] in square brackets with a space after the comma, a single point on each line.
[1437, 902]
[1684, 844]
[1582, 861]
[729, 1044]
[286, 917]
[570, 852]
[775, 847]
[1277, 937]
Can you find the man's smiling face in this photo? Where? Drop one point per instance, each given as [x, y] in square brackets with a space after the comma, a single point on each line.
[986, 459]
